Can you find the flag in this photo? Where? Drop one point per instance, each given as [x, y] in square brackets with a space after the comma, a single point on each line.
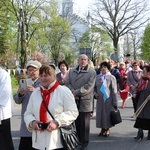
[103, 89]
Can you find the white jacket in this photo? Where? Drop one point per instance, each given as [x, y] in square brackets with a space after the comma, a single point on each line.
[62, 106]
[5, 95]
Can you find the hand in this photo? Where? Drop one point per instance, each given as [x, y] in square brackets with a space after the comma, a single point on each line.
[133, 88]
[21, 91]
[96, 96]
[30, 88]
[34, 125]
[148, 97]
[115, 107]
[52, 126]
[134, 95]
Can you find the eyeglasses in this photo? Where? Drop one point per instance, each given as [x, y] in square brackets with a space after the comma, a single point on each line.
[33, 70]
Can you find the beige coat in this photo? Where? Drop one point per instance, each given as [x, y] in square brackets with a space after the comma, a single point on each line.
[82, 84]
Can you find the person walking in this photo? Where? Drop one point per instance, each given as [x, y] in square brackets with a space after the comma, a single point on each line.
[123, 86]
[59, 101]
[22, 97]
[6, 142]
[106, 94]
[133, 79]
[143, 92]
[81, 81]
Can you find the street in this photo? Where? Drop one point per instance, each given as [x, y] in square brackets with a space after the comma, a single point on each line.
[121, 136]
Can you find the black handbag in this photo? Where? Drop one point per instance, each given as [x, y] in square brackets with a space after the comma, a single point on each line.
[69, 137]
[115, 117]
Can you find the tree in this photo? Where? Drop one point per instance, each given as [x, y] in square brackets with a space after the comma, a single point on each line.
[26, 13]
[98, 40]
[58, 31]
[119, 17]
[135, 41]
[145, 46]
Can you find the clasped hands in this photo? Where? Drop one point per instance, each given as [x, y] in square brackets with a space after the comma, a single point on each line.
[50, 127]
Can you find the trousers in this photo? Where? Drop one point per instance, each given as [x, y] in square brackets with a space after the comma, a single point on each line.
[6, 142]
[83, 127]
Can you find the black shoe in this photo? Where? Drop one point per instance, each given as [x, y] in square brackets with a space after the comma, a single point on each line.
[102, 133]
[107, 132]
[140, 135]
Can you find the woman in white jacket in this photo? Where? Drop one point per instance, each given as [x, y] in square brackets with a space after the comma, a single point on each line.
[6, 142]
[60, 102]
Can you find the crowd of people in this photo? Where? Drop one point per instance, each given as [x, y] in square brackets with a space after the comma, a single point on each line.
[69, 96]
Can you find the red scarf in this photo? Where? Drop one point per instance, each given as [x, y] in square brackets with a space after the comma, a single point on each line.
[46, 99]
[143, 83]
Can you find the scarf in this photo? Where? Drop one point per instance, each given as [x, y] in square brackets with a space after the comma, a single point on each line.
[46, 98]
[143, 83]
[104, 88]
[63, 76]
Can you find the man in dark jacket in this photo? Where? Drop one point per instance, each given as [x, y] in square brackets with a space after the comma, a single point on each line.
[115, 72]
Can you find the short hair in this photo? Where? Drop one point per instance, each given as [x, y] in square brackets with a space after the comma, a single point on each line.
[147, 67]
[47, 70]
[105, 64]
[63, 62]
[135, 63]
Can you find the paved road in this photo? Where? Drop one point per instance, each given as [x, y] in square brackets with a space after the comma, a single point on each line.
[121, 136]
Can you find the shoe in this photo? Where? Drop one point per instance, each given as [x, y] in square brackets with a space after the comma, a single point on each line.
[148, 136]
[140, 135]
[107, 132]
[102, 132]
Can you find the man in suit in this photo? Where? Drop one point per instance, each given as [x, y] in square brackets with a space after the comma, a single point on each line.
[81, 82]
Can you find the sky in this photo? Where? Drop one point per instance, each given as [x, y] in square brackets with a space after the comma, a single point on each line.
[81, 6]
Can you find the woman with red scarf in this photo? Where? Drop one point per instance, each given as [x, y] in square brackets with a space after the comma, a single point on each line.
[143, 92]
[123, 86]
[60, 102]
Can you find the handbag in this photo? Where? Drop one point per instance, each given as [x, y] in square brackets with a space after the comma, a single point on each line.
[69, 137]
[115, 117]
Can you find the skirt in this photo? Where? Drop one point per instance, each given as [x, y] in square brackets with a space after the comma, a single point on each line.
[142, 123]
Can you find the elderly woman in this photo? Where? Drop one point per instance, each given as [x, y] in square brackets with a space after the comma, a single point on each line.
[106, 95]
[22, 97]
[133, 79]
[143, 92]
[62, 75]
[60, 102]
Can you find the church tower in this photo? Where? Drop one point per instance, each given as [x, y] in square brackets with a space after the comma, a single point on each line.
[67, 7]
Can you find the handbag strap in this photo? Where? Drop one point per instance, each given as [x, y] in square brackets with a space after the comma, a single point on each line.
[136, 114]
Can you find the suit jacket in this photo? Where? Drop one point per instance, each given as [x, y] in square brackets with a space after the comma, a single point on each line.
[82, 85]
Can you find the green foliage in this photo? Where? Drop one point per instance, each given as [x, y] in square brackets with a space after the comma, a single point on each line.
[98, 40]
[14, 82]
[145, 46]
[59, 31]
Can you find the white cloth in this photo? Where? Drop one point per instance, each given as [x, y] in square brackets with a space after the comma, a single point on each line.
[62, 106]
[5, 95]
